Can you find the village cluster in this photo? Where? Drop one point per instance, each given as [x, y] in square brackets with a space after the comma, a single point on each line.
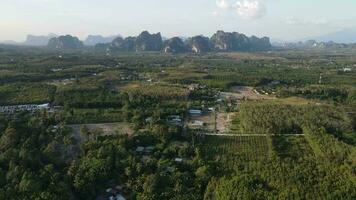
[26, 107]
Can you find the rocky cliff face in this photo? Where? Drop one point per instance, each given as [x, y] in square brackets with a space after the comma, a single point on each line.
[260, 44]
[148, 42]
[199, 44]
[65, 42]
[225, 41]
[144, 42]
[120, 44]
[220, 41]
[34, 40]
[174, 45]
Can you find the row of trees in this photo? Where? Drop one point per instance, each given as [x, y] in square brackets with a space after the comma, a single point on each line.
[319, 165]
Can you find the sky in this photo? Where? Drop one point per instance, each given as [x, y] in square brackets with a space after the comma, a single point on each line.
[279, 19]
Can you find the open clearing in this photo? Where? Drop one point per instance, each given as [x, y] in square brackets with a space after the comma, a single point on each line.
[106, 128]
[208, 120]
[223, 122]
[244, 93]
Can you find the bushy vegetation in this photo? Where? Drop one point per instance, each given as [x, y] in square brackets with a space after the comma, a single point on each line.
[298, 144]
[22, 93]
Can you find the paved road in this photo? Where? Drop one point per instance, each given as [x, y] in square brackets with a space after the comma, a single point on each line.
[251, 135]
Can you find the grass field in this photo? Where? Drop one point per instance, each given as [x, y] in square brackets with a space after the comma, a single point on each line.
[232, 152]
[287, 165]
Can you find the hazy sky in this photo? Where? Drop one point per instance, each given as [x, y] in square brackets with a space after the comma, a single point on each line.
[278, 19]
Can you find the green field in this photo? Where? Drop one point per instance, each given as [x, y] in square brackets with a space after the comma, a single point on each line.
[282, 167]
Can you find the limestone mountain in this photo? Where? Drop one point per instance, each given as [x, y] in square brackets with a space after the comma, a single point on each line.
[144, 42]
[38, 40]
[174, 45]
[199, 44]
[260, 44]
[148, 42]
[65, 42]
[120, 44]
[220, 41]
[225, 41]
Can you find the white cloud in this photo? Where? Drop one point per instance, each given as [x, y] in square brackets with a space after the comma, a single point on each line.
[250, 9]
[246, 9]
[225, 4]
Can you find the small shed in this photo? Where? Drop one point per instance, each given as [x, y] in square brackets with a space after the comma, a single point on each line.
[195, 112]
[149, 149]
[178, 160]
[140, 149]
[198, 123]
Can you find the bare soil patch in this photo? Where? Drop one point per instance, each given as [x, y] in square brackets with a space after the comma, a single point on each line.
[106, 128]
[244, 93]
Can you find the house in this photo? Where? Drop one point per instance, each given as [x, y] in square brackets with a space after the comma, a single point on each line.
[178, 160]
[174, 119]
[211, 109]
[43, 106]
[198, 123]
[274, 83]
[57, 69]
[192, 87]
[27, 107]
[347, 69]
[139, 149]
[149, 149]
[54, 129]
[195, 112]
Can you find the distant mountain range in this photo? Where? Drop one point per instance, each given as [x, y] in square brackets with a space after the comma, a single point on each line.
[32, 40]
[220, 42]
[92, 40]
[42, 40]
[65, 42]
[346, 36]
[313, 44]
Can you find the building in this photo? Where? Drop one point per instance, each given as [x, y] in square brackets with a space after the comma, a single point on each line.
[211, 109]
[198, 123]
[27, 107]
[195, 112]
[139, 149]
[175, 119]
[178, 160]
[347, 69]
[149, 149]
